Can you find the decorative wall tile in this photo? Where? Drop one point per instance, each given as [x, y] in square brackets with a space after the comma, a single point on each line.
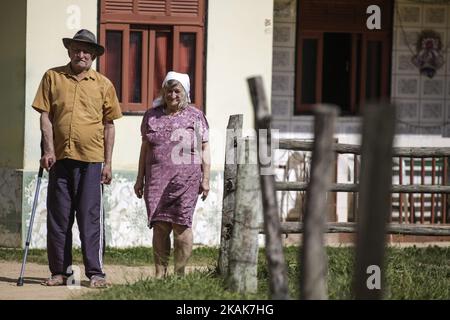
[393, 85]
[446, 131]
[431, 111]
[348, 128]
[303, 126]
[409, 15]
[407, 87]
[446, 65]
[432, 88]
[283, 59]
[282, 125]
[447, 111]
[407, 38]
[407, 110]
[447, 87]
[283, 83]
[431, 130]
[285, 10]
[284, 35]
[282, 107]
[403, 63]
[443, 34]
[435, 15]
[407, 128]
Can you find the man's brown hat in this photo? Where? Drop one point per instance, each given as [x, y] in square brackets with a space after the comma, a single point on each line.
[85, 36]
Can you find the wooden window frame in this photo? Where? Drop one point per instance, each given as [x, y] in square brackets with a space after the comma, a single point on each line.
[198, 85]
[148, 23]
[365, 37]
[148, 60]
[126, 105]
[300, 107]
[310, 24]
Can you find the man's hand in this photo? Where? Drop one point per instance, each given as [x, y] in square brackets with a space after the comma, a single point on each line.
[106, 174]
[204, 189]
[47, 160]
[139, 188]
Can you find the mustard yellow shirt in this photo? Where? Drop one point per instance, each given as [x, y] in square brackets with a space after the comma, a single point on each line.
[77, 110]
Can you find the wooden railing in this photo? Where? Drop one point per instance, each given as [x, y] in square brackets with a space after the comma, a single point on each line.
[403, 210]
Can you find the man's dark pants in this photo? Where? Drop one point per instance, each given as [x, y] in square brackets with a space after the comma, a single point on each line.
[74, 190]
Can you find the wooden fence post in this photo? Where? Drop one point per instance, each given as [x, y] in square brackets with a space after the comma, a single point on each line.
[234, 133]
[375, 184]
[313, 275]
[278, 280]
[243, 256]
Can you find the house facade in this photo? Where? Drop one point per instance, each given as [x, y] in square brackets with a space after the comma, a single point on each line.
[307, 52]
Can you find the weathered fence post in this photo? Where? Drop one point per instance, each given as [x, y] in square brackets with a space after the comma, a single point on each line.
[234, 133]
[376, 180]
[243, 255]
[278, 280]
[313, 276]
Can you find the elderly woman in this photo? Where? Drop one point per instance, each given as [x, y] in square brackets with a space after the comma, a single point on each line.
[173, 170]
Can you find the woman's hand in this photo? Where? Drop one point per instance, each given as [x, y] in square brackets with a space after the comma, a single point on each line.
[204, 189]
[139, 188]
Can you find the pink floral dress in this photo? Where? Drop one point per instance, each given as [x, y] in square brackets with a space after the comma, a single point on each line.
[173, 164]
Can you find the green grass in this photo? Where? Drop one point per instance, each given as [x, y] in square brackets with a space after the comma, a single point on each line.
[204, 285]
[412, 273]
[136, 256]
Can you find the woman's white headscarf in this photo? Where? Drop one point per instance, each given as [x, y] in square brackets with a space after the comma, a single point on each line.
[182, 78]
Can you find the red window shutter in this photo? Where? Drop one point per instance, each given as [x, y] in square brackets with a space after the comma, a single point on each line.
[152, 7]
[167, 12]
[118, 6]
[184, 8]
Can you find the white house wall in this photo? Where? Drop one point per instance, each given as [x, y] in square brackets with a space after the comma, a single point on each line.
[239, 46]
[48, 21]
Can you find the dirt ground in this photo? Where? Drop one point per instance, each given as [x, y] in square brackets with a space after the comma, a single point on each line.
[36, 273]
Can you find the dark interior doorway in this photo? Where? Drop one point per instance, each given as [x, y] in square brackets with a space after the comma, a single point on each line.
[337, 59]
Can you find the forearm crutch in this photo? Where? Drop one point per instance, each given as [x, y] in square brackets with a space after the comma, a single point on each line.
[30, 227]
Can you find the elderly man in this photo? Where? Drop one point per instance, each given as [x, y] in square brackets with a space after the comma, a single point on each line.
[77, 106]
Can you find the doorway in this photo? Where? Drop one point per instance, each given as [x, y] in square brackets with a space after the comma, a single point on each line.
[336, 69]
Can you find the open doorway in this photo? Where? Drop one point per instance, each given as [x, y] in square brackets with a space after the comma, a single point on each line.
[336, 69]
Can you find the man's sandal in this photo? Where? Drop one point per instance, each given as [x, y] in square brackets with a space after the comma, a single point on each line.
[55, 280]
[98, 282]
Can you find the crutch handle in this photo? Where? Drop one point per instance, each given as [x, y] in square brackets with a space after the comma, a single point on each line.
[41, 172]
